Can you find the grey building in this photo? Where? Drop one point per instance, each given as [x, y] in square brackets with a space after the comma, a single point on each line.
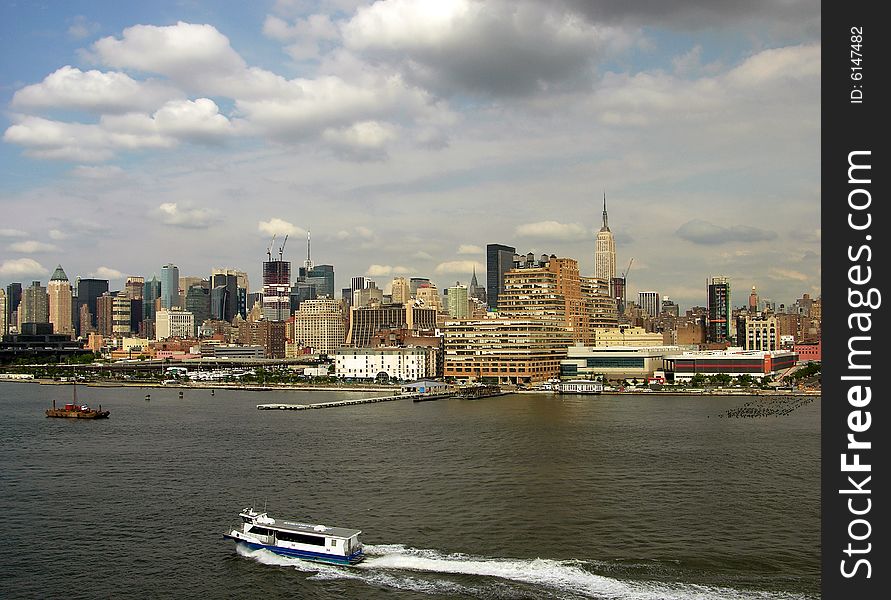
[499, 260]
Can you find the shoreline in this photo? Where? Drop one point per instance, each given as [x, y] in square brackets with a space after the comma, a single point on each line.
[387, 389]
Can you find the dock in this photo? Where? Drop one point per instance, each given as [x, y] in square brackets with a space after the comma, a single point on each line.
[336, 403]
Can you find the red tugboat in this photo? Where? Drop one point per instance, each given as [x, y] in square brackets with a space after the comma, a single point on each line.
[73, 410]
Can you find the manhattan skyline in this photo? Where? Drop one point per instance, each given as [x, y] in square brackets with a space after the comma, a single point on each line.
[406, 136]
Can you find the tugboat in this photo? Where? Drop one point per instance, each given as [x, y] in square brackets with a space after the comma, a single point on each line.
[73, 410]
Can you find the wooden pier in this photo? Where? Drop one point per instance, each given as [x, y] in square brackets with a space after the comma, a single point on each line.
[336, 403]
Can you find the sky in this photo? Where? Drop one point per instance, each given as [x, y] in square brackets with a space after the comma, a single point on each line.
[405, 135]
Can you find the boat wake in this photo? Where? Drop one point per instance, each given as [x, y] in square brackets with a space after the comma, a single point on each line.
[427, 571]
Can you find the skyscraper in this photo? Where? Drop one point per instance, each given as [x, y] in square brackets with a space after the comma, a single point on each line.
[414, 283]
[719, 310]
[88, 290]
[225, 303]
[13, 298]
[605, 250]
[277, 290]
[475, 290]
[400, 292]
[4, 318]
[499, 260]
[458, 306]
[151, 291]
[169, 286]
[650, 302]
[60, 296]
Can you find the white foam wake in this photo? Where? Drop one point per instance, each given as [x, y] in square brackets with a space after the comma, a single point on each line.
[391, 564]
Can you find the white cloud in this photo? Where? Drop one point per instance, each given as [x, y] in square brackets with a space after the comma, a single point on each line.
[359, 232]
[420, 254]
[188, 217]
[499, 47]
[552, 230]
[382, 270]
[365, 139]
[56, 234]
[81, 28]
[12, 233]
[195, 120]
[31, 246]
[19, 267]
[469, 249]
[94, 91]
[276, 226]
[106, 273]
[780, 274]
[461, 267]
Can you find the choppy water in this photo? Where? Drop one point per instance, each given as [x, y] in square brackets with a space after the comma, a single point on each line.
[524, 496]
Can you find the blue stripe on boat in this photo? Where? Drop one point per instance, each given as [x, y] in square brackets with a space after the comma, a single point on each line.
[352, 559]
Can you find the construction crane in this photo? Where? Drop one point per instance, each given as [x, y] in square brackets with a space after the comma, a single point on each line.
[269, 248]
[281, 251]
[625, 274]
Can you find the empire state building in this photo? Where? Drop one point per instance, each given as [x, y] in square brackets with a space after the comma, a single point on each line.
[605, 251]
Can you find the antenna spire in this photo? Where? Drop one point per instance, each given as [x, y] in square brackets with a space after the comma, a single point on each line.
[307, 264]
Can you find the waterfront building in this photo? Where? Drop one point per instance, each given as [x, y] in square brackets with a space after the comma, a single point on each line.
[169, 286]
[808, 352]
[499, 260]
[120, 315]
[174, 323]
[458, 305]
[649, 302]
[504, 350]
[366, 322]
[400, 293]
[605, 250]
[60, 299]
[733, 361]
[403, 364]
[88, 291]
[719, 311]
[239, 352]
[34, 307]
[319, 324]
[614, 362]
[758, 332]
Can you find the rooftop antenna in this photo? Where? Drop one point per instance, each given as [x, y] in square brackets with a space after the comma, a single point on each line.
[308, 262]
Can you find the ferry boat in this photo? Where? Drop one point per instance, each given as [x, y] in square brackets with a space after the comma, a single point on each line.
[318, 543]
[579, 386]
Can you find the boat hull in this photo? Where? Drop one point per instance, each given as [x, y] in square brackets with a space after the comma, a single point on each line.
[77, 414]
[352, 559]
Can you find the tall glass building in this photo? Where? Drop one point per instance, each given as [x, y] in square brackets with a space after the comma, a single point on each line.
[499, 260]
[169, 286]
[719, 310]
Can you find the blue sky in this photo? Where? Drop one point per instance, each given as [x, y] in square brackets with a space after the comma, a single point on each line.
[407, 135]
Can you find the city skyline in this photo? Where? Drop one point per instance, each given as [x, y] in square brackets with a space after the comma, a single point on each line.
[701, 126]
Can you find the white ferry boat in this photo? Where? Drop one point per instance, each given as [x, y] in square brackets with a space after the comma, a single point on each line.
[297, 540]
[579, 386]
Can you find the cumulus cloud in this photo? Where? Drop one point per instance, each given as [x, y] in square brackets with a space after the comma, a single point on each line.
[31, 246]
[469, 249]
[93, 91]
[106, 273]
[500, 47]
[20, 267]
[703, 232]
[12, 233]
[56, 234]
[553, 231]
[382, 270]
[276, 226]
[194, 120]
[365, 140]
[187, 217]
[420, 254]
[460, 267]
[359, 232]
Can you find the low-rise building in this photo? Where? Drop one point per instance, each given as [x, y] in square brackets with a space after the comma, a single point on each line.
[404, 364]
[614, 362]
[732, 361]
[173, 323]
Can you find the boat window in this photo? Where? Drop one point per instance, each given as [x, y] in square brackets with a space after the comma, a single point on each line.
[247, 520]
[291, 536]
[261, 531]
